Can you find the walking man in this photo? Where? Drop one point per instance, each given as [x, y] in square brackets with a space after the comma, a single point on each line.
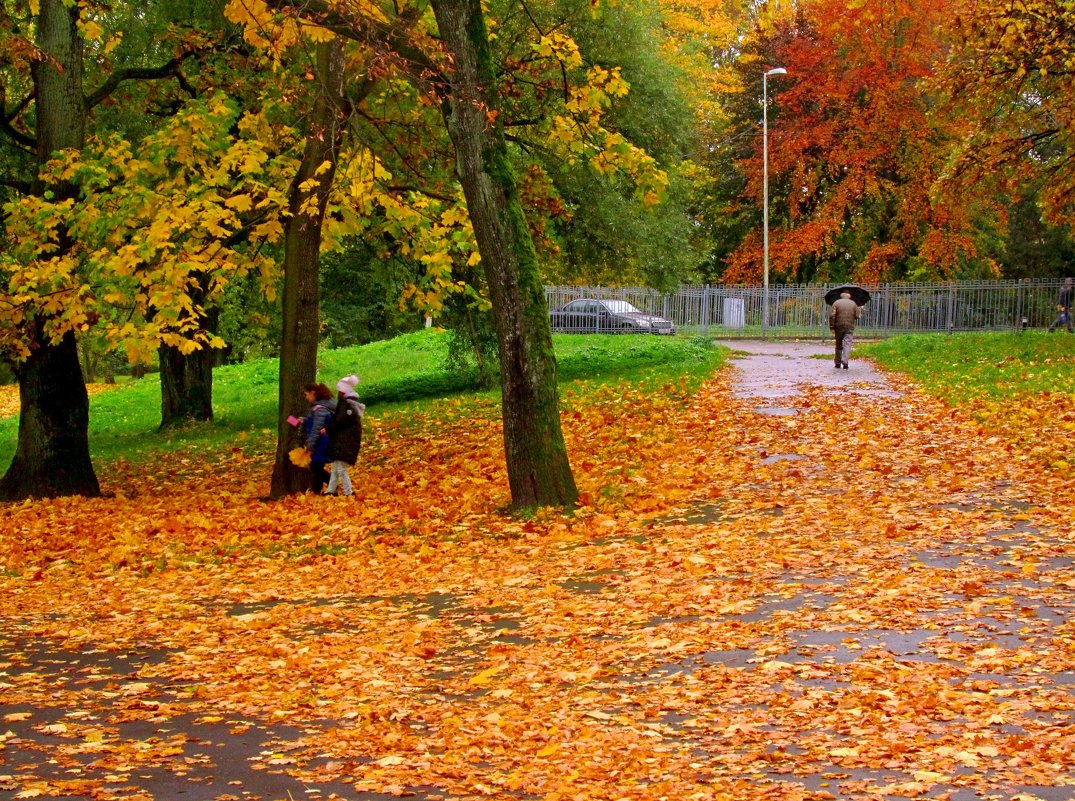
[845, 313]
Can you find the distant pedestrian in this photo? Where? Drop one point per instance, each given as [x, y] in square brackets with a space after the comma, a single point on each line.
[845, 313]
[317, 419]
[344, 436]
[1063, 305]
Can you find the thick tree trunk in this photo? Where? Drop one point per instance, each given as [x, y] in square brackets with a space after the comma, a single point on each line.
[52, 456]
[539, 472]
[302, 262]
[60, 111]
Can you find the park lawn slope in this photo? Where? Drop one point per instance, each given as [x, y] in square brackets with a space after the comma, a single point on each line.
[409, 369]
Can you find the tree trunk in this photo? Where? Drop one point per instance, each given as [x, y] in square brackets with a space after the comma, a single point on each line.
[187, 379]
[539, 472]
[89, 361]
[52, 456]
[186, 386]
[60, 112]
[302, 262]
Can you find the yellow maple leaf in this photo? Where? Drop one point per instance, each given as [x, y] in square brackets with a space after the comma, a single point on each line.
[239, 203]
[318, 34]
[486, 676]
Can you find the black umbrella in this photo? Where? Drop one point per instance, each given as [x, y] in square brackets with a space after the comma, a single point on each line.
[858, 294]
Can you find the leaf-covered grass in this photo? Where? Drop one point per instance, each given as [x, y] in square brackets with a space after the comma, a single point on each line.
[406, 370]
[965, 367]
[1018, 385]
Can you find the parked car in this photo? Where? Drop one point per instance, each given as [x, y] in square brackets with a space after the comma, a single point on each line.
[592, 316]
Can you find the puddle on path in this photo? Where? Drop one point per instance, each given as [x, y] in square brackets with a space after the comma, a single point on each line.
[777, 411]
[179, 747]
[773, 458]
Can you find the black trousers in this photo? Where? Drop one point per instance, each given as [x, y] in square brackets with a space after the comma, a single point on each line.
[318, 477]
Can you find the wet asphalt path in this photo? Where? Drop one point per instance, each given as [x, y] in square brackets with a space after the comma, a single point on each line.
[773, 370]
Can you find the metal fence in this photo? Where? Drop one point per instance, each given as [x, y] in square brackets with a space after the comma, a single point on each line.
[800, 309]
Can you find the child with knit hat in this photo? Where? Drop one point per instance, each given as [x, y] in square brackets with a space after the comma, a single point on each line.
[344, 436]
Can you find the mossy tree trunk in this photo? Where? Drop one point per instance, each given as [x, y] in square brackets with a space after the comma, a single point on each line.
[539, 472]
[302, 260]
[52, 456]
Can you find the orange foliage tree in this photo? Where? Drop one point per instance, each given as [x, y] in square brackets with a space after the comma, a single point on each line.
[854, 151]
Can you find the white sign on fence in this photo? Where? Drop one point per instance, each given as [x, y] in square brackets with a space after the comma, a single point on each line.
[734, 313]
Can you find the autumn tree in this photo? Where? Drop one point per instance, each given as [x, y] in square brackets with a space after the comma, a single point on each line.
[134, 237]
[854, 149]
[1008, 83]
[602, 127]
[460, 78]
[166, 33]
[53, 446]
[336, 179]
[307, 202]
[538, 467]
[706, 39]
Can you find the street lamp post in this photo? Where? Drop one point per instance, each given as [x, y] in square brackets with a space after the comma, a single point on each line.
[765, 194]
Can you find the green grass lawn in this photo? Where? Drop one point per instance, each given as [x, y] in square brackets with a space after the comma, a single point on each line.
[1018, 385]
[407, 370]
[962, 368]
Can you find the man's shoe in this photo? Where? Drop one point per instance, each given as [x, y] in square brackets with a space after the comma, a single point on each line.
[845, 365]
[837, 365]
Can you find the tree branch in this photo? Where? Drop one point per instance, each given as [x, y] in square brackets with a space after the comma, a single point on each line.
[21, 140]
[22, 187]
[524, 122]
[400, 189]
[533, 21]
[393, 144]
[384, 36]
[169, 70]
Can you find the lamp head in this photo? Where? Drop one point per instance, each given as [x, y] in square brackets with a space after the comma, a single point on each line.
[777, 71]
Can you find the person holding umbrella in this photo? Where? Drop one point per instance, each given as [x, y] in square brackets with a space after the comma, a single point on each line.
[845, 313]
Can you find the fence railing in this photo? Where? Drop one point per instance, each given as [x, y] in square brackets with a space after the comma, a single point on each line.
[800, 309]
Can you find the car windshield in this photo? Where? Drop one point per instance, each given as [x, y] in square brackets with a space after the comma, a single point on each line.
[620, 307]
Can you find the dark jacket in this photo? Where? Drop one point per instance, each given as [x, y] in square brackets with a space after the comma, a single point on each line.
[319, 416]
[345, 431]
